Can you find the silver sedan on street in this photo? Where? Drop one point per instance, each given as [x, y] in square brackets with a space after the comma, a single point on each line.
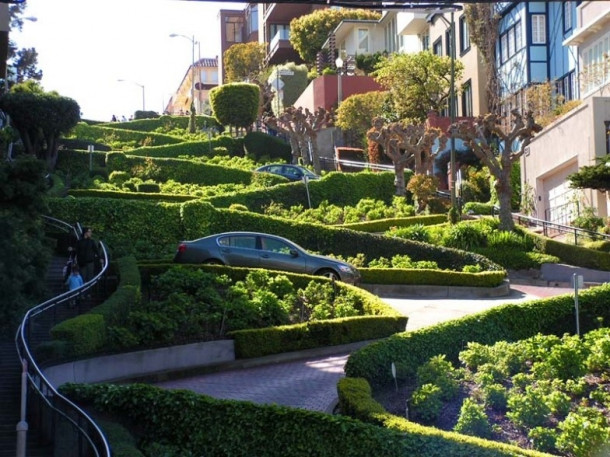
[262, 250]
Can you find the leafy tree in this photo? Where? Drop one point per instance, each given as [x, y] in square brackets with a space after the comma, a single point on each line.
[22, 63]
[236, 104]
[418, 83]
[368, 62]
[40, 117]
[484, 137]
[592, 176]
[244, 62]
[23, 255]
[308, 33]
[356, 113]
[294, 85]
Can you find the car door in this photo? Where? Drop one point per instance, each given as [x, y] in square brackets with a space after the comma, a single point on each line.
[292, 173]
[239, 250]
[275, 254]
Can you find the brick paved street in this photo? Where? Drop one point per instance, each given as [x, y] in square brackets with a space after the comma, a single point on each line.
[311, 383]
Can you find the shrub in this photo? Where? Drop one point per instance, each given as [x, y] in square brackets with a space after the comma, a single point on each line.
[473, 420]
[439, 371]
[426, 403]
[584, 433]
[259, 145]
[118, 178]
[151, 187]
[543, 439]
[528, 409]
[464, 236]
[495, 396]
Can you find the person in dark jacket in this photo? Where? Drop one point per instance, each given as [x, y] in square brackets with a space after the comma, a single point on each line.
[87, 254]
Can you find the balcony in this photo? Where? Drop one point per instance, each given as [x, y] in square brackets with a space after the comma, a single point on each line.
[280, 49]
[410, 23]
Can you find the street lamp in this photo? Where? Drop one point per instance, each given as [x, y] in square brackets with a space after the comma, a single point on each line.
[193, 42]
[141, 86]
[339, 65]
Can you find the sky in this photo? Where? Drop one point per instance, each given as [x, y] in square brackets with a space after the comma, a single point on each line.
[85, 46]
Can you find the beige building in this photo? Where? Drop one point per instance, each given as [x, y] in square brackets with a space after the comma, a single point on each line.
[579, 137]
[196, 85]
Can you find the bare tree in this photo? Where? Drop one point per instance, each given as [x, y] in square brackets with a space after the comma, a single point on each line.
[499, 150]
[302, 128]
[405, 142]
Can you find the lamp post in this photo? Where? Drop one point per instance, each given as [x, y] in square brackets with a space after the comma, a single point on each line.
[339, 65]
[193, 108]
[141, 86]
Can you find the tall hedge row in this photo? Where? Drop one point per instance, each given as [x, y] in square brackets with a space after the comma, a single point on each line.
[510, 322]
[165, 122]
[235, 147]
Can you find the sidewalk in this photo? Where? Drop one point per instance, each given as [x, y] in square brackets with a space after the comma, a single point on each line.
[311, 383]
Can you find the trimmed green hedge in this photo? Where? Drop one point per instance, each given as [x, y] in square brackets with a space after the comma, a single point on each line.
[511, 322]
[382, 225]
[165, 122]
[203, 425]
[259, 145]
[76, 162]
[235, 146]
[86, 333]
[107, 134]
[127, 195]
[338, 188]
[573, 255]
[355, 400]
[332, 332]
[184, 171]
[431, 277]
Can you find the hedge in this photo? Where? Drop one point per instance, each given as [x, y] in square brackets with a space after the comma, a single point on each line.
[183, 171]
[355, 400]
[431, 277]
[235, 147]
[332, 332]
[76, 162]
[337, 188]
[260, 145]
[383, 225]
[132, 226]
[107, 133]
[206, 426]
[511, 322]
[578, 256]
[128, 195]
[165, 122]
[86, 334]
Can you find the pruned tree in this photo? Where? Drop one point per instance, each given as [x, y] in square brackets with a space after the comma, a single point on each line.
[302, 127]
[405, 142]
[484, 28]
[356, 113]
[236, 104]
[41, 118]
[499, 150]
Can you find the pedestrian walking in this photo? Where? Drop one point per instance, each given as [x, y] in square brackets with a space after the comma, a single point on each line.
[87, 254]
[75, 280]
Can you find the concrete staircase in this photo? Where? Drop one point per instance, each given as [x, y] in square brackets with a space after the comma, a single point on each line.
[10, 367]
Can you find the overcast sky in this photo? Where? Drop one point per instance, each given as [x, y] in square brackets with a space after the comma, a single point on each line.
[85, 46]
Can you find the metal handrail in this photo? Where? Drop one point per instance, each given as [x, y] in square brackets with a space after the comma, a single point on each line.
[87, 429]
[546, 226]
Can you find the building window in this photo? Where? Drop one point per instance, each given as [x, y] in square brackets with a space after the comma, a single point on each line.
[595, 69]
[538, 29]
[253, 19]
[363, 40]
[425, 41]
[282, 29]
[464, 35]
[467, 99]
[234, 26]
[567, 16]
[437, 47]
[510, 42]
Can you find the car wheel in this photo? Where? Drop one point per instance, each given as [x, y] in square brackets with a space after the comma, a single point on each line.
[212, 262]
[330, 274]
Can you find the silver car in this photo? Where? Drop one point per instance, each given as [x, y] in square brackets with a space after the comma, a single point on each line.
[261, 250]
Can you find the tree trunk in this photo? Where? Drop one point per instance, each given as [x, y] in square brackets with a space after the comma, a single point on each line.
[505, 192]
[399, 179]
[315, 156]
[304, 150]
[294, 146]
